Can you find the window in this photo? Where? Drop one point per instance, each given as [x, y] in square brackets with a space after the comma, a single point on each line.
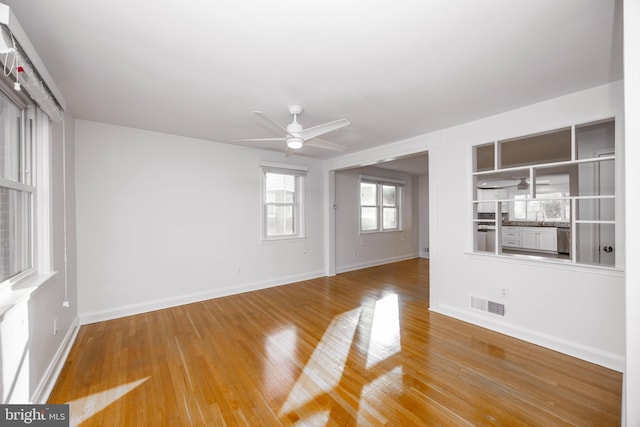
[16, 192]
[283, 212]
[379, 204]
[549, 195]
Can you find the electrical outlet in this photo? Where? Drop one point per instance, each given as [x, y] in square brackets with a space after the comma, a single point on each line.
[504, 292]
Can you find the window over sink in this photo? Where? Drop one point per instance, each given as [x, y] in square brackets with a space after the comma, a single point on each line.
[550, 195]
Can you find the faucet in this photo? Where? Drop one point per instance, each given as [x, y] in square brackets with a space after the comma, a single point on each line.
[542, 212]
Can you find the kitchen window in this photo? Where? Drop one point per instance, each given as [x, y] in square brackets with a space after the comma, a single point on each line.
[282, 202]
[550, 207]
[380, 204]
[550, 195]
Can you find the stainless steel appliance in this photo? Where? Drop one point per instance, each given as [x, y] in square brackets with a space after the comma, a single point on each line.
[564, 240]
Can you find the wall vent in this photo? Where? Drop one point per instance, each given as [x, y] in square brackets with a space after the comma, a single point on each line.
[492, 307]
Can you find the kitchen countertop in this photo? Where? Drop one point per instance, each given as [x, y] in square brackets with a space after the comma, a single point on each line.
[536, 224]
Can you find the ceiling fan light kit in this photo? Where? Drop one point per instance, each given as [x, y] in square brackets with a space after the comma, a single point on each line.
[297, 137]
[295, 143]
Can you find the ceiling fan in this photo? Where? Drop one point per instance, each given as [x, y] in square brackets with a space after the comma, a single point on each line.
[519, 183]
[296, 136]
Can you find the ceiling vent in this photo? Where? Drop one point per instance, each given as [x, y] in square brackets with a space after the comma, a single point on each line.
[488, 306]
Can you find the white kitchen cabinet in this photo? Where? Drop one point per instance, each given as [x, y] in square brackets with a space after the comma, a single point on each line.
[548, 239]
[530, 238]
[490, 196]
[511, 237]
[539, 238]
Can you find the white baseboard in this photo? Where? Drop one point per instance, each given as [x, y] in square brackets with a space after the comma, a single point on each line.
[48, 380]
[159, 304]
[373, 263]
[580, 351]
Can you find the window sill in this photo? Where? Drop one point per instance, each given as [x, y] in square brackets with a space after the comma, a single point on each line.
[21, 291]
[282, 240]
[380, 231]
[548, 262]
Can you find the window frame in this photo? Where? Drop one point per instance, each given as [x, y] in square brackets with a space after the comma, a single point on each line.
[380, 183]
[570, 200]
[26, 184]
[297, 204]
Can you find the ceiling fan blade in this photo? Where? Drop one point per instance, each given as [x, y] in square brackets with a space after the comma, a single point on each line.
[259, 139]
[269, 120]
[316, 131]
[497, 184]
[321, 143]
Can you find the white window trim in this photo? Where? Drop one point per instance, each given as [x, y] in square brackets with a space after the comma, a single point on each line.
[380, 181]
[43, 259]
[299, 206]
[572, 262]
[35, 126]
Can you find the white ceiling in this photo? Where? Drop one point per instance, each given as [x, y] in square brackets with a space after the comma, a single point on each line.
[394, 69]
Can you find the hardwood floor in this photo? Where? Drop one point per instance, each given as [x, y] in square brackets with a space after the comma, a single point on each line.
[360, 348]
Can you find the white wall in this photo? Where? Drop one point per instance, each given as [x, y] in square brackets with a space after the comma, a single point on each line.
[576, 310]
[631, 408]
[165, 220]
[48, 350]
[354, 250]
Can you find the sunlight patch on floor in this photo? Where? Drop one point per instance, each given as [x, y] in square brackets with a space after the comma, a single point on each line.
[85, 407]
[384, 341]
[320, 418]
[324, 369]
[374, 393]
[280, 368]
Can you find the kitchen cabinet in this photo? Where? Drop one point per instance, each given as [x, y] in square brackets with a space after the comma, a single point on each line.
[511, 237]
[539, 238]
[530, 238]
[491, 195]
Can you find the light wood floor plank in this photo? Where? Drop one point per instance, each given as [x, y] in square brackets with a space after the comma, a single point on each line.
[360, 348]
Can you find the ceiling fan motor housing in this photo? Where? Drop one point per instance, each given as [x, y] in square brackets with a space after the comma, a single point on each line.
[295, 109]
[294, 127]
